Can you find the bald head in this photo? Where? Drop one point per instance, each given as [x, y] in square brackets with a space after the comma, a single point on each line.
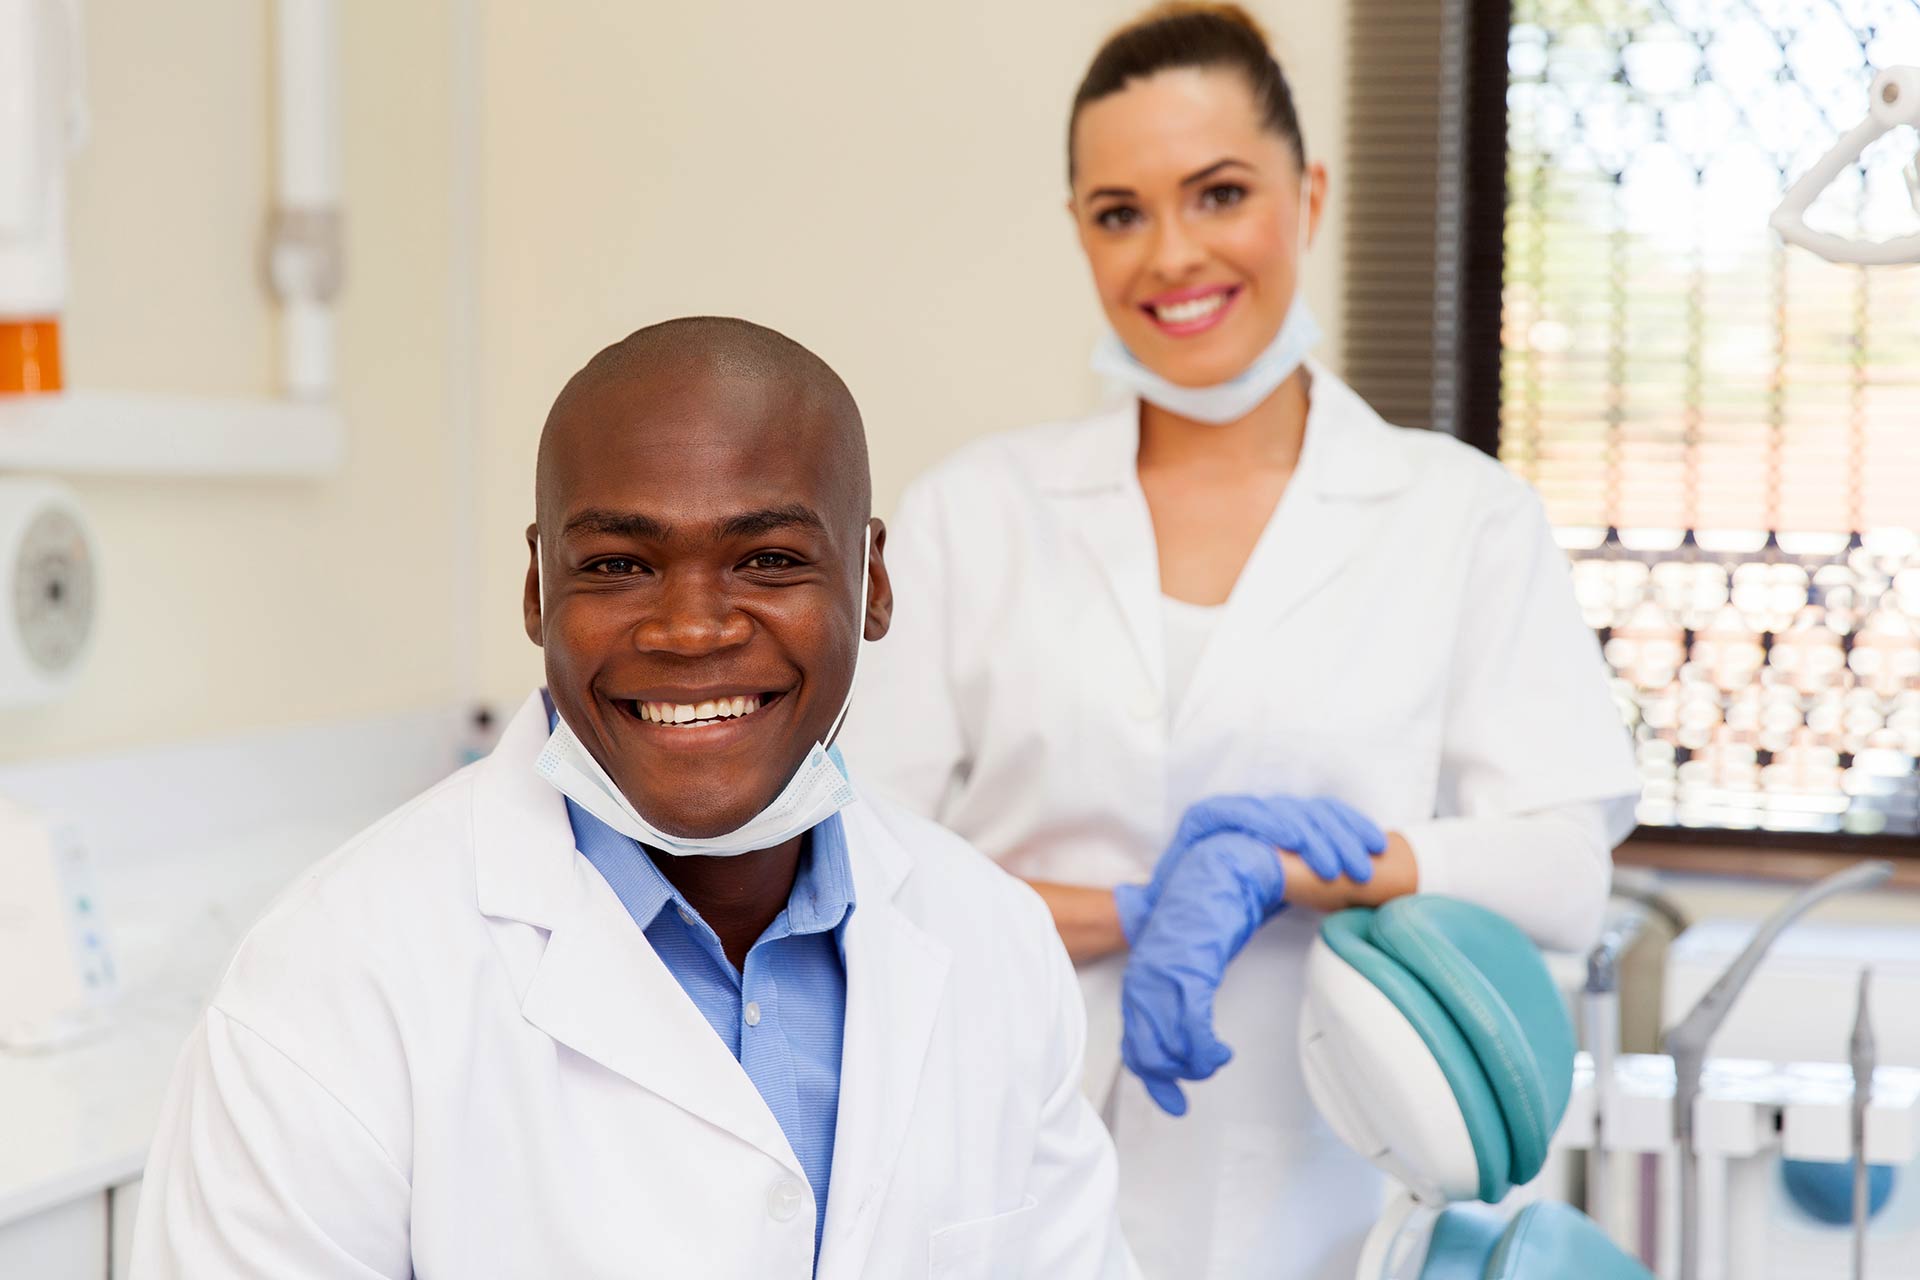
[731, 380]
[702, 532]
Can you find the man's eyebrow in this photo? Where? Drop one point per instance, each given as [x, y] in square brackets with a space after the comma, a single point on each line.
[615, 524]
[751, 524]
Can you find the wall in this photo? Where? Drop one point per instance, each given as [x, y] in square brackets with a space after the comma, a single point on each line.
[236, 605]
[884, 182]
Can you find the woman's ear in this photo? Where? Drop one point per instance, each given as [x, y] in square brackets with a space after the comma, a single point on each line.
[1316, 178]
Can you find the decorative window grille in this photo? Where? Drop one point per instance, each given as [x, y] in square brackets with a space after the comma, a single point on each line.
[1726, 432]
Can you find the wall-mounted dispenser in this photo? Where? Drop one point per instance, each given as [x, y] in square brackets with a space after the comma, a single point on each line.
[42, 122]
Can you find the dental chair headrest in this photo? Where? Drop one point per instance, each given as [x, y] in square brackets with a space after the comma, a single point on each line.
[1435, 1044]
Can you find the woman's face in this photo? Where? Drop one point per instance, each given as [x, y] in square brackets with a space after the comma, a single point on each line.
[1189, 212]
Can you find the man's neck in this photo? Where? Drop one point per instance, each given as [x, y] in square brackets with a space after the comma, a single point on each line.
[739, 896]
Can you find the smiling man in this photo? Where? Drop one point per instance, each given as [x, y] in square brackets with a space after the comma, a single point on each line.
[653, 990]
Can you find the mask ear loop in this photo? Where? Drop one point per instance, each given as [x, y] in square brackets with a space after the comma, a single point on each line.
[860, 632]
[540, 577]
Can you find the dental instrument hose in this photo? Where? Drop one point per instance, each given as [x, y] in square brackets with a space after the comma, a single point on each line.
[1687, 1041]
[1862, 1055]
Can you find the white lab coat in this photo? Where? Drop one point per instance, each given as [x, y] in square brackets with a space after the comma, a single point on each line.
[449, 1052]
[1403, 637]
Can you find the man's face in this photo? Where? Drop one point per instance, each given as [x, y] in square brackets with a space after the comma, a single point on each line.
[701, 544]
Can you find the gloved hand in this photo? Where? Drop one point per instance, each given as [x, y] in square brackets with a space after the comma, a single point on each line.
[1332, 838]
[1216, 892]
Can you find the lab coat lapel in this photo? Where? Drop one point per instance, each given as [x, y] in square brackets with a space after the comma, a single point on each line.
[1093, 477]
[896, 979]
[1349, 461]
[597, 986]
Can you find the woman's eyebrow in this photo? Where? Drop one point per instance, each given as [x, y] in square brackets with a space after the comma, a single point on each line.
[1202, 175]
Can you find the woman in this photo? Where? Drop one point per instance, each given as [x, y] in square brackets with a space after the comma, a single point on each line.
[1239, 580]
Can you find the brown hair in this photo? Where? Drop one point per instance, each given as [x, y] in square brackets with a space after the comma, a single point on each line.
[1186, 34]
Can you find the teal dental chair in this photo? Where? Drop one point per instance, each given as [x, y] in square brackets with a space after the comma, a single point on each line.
[1435, 1044]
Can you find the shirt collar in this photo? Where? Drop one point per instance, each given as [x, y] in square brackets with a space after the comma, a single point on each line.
[822, 894]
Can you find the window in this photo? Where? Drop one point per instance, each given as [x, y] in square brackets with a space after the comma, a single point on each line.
[1726, 432]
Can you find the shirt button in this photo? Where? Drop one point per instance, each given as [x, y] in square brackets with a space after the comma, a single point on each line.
[752, 1012]
[783, 1200]
[686, 916]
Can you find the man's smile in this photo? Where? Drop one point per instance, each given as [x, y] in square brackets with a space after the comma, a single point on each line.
[701, 719]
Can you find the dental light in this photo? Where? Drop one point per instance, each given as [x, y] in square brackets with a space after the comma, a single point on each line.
[1893, 101]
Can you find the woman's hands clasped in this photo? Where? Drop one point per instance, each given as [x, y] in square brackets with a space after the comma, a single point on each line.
[1219, 880]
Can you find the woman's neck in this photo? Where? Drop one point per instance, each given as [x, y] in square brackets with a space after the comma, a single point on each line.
[1268, 438]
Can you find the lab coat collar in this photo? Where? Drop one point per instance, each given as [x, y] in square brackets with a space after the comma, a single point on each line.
[1349, 457]
[896, 980]
[598, 987]
[1349, 451]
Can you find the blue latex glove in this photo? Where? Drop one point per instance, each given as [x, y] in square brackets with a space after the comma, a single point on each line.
[1332, 838]
[1217, 891]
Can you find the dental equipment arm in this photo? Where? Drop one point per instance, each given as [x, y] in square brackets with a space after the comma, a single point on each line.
[1861, 1051]
[1687, 1041]
[1600, 1008]
[1894, 100]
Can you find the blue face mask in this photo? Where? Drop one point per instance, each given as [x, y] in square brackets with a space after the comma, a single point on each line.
[1238, 396]
[1222, 402]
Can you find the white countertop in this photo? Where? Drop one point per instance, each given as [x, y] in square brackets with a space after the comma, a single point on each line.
[188, 844]
[78, 1119]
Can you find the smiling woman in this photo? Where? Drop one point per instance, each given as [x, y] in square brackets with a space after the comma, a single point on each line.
[1175, 663]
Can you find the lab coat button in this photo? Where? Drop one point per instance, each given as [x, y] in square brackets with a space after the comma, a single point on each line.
[783, 1201]
[752, 1012]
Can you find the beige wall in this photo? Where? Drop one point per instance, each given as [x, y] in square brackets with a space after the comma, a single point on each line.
[882, 181]
[241, 604]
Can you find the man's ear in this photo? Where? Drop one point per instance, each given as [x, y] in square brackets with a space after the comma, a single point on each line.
[530, 600]
[879, 585]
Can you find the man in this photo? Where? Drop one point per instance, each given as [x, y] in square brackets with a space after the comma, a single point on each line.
[649, 991]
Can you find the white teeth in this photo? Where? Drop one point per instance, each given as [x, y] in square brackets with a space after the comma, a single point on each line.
[701, 713]
[1191, 310]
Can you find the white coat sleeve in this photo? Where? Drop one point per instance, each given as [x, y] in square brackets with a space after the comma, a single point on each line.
[258, 1170]
[1537, 782]
[1075, 1180]
[904, 734]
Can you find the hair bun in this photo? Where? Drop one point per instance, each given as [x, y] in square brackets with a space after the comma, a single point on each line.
[1224, 12]
[1204, 34]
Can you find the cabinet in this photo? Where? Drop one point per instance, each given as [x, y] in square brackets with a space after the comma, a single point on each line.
[65, 1242]
[86, 1238]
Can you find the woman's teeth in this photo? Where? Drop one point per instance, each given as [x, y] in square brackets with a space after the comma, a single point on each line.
[698, 712]
[1192, 309]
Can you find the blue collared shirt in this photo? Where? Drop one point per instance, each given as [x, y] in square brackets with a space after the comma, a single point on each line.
[784, 1018]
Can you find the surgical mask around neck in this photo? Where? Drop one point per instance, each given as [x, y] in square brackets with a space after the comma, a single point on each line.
[818, 789]
[1228, 401]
